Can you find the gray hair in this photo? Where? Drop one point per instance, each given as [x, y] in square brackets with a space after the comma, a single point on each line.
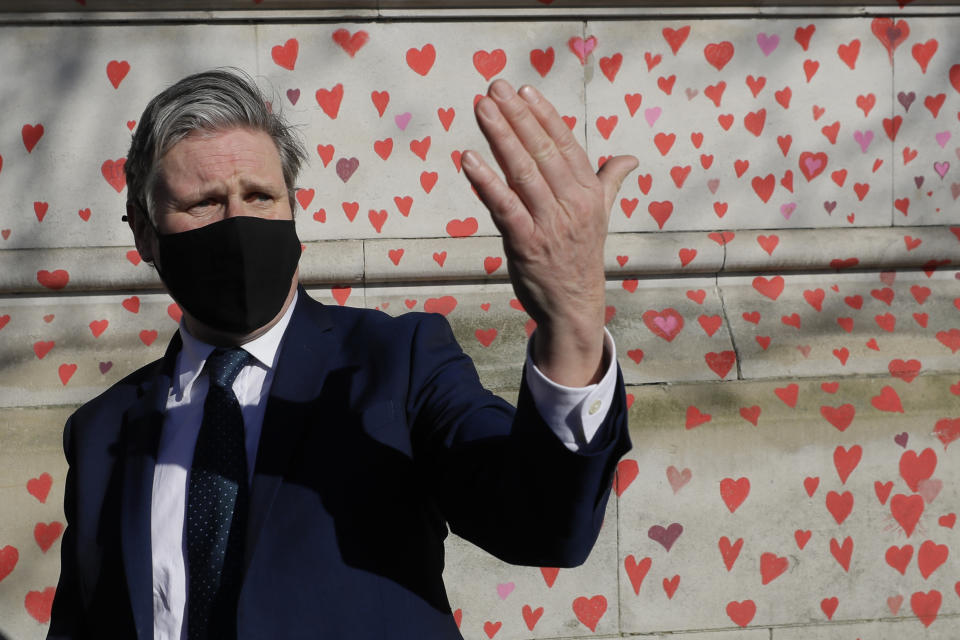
[214, 100]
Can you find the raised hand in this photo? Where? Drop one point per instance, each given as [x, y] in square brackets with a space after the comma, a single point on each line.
[553, 212]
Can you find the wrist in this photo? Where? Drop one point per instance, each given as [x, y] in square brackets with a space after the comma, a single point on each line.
[569, 356]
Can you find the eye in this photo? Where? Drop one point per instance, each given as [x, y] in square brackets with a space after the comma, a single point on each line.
[261, 197]
[202, 204]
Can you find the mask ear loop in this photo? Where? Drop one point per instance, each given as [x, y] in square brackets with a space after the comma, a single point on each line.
[156, 232]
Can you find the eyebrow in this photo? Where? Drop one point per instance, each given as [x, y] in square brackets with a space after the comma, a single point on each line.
[214, 189]
[257, 185]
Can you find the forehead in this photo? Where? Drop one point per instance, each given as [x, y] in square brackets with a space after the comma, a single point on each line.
[216, 156]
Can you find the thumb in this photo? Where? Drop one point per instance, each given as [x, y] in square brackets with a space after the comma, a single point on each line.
[612, 174]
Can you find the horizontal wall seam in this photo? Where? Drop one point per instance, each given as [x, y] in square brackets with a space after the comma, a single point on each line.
[9, 17]
[481, 258]
[56, 398]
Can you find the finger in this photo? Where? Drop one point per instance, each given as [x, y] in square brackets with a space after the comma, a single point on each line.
[560, 133]
[521, 172]
[611, 176]
[534, 140]
[506, 209]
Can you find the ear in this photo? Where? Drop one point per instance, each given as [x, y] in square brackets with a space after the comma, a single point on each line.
[144, 235]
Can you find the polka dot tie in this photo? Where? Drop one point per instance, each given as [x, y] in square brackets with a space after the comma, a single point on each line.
[217, 505]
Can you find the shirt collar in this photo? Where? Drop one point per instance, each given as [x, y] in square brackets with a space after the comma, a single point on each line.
[265, 349]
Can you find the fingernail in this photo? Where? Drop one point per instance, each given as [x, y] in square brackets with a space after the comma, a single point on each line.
[500, 89]
[487, 108]
[529, 94]
[468, 160]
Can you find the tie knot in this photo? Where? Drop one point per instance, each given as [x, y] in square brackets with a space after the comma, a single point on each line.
[223, 365]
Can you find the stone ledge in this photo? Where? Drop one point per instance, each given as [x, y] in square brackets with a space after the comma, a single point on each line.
[481, 258]
[67, 348]
[106, 269]
[54, 11]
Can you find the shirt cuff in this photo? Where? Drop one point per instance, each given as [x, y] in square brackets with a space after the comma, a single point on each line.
[574, 414]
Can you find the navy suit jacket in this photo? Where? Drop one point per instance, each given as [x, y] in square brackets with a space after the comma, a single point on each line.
[377, 437]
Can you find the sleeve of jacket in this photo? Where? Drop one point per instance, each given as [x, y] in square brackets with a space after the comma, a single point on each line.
[66, 614]
[501, 477]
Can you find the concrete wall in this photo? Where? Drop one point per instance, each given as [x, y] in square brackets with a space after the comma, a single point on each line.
[783, 283]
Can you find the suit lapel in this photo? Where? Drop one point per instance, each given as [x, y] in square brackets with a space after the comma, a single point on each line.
[309, 348]
[141, 434]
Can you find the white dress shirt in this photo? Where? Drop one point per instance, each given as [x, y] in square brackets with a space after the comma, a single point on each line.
[574, 414]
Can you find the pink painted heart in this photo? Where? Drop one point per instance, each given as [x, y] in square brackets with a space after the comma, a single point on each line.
[930, 489]
[812, 164]
[652, 114]
[678, 479]
[768, 44]
[863, 138]
[402, 120]
[582, 48]
[666, 324]
[894, 603]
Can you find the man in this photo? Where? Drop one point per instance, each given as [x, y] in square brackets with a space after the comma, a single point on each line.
[288, 469]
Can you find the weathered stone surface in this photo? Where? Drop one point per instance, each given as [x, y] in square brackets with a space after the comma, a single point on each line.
[926, 160]
[823, 483]
[844, 323]
[879, 630]
[533, 602]
[842, 388]
[32, 472]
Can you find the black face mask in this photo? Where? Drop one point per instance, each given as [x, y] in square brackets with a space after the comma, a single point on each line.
[233, 275]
